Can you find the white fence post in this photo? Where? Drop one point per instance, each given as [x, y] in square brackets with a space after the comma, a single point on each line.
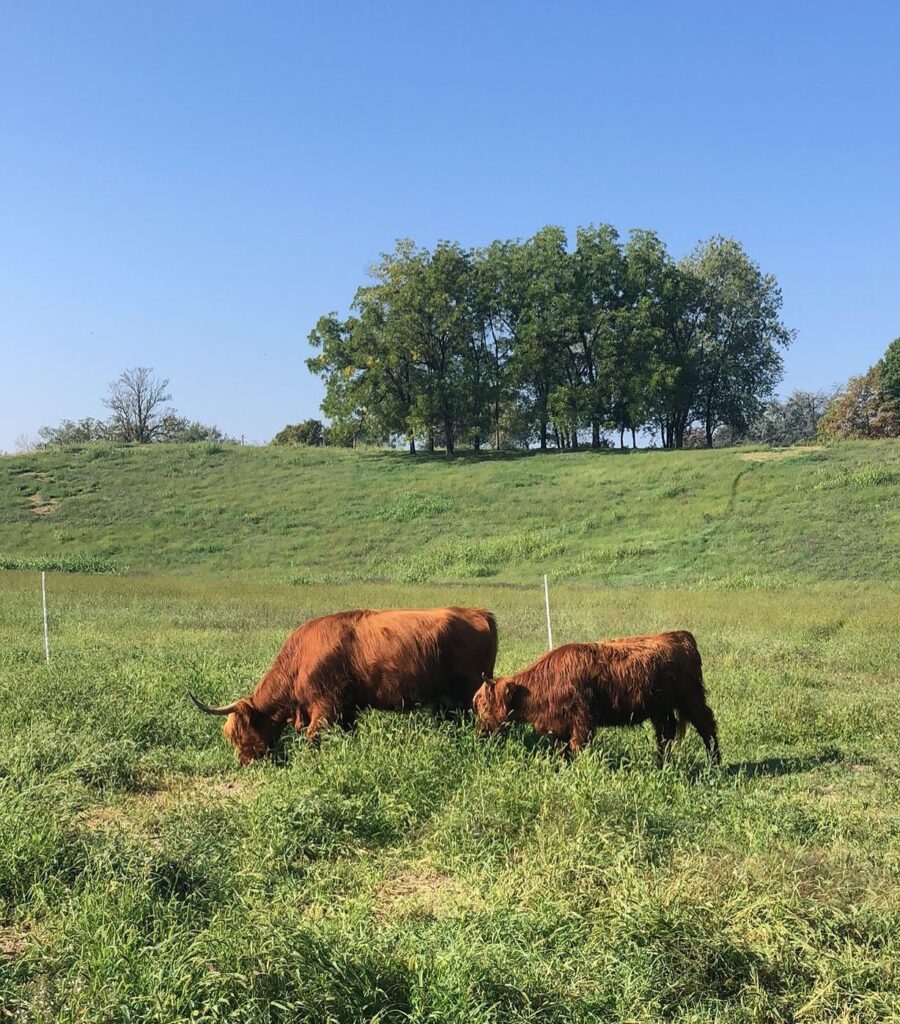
[547, 605]
[44, 603]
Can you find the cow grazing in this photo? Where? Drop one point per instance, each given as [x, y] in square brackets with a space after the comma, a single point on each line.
[333, 666]
[574, 689]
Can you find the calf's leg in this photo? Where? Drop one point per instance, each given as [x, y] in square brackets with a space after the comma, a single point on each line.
[666, 727]
[700, 715]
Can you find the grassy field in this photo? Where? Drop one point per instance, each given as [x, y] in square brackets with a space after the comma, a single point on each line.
[409, 871]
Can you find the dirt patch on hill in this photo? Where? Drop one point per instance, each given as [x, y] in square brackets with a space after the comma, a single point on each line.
[40, 507]
[781, 453]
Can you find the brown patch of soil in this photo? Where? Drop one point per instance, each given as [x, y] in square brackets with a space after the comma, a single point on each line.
[40, 507]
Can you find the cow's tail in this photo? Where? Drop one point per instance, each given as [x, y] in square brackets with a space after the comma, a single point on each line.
[681, 726]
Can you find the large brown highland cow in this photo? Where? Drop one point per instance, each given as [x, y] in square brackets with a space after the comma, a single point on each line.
[574, 689]
[333, 666]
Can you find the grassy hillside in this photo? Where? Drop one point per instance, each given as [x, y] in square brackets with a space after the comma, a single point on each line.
[733, 518]
[408, 871]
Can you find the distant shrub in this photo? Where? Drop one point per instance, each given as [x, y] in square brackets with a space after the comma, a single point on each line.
[411, 506]
[89, 564]
[310, 433]
[864, 409]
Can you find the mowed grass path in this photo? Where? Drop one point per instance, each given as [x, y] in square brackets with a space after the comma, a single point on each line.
[409, 871]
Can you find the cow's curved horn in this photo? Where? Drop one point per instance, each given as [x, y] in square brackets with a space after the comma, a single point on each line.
[212, 711]
[485, 678]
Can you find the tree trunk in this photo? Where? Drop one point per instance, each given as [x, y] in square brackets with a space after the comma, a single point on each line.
[543, 435]
[595, 433]
[633, 440]
[431, 439]
[448, 431]
[574, 439]
[622, 435]
[709, 433]
[476, 443]
[412, 446]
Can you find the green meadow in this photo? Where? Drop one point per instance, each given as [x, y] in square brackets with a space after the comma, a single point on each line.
[409, 871]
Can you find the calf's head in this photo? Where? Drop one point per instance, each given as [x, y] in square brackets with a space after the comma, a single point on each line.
[492, 704]
[250, 731]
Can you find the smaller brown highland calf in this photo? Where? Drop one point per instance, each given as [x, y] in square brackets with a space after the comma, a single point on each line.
[572, 690]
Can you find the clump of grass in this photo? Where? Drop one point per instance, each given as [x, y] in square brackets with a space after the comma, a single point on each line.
[202, 449]
[605, 560]
[474, 559]
[743, 581]
[93, 565]
[410, 506]
[100, 450]
[671, 491]
[867, 476]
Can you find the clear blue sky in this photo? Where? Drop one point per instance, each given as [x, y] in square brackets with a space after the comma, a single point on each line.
[189, 185]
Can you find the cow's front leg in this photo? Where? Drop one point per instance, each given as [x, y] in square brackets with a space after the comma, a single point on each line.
[321, 715]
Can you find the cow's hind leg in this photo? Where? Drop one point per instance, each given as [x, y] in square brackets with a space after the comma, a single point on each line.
[700, 715]
[666, 727]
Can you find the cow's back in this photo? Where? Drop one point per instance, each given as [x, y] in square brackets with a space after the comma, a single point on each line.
[396, 659]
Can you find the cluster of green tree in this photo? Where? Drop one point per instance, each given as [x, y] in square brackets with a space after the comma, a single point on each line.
[782, 422]
[869, 405]
[136, 400]
[531, 342]
[308, 432]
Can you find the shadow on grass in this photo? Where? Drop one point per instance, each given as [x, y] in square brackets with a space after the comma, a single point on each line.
[772, 766]
[489, 455]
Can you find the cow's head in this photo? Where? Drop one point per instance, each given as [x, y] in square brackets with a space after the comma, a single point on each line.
[250, 731]
[492, 704]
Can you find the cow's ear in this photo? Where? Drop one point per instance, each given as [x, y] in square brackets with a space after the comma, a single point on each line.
[486, 679]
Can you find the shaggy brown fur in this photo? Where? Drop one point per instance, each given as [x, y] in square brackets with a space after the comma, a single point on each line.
[574, 689]
[333, 666]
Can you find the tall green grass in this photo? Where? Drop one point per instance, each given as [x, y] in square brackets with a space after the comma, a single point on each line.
[409, 871]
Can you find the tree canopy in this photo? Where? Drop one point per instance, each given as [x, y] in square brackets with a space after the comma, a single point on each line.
[536, 342]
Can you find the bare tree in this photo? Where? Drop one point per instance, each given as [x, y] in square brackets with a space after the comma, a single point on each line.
[26, 443]
[136, 400]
